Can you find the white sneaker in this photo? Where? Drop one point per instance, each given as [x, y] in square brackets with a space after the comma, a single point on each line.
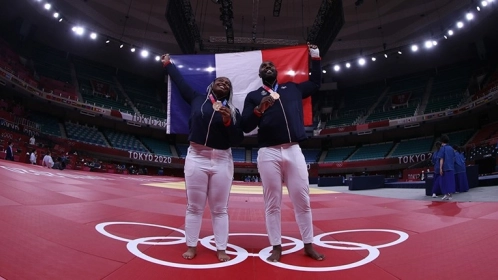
[434, 195]
[445, 197]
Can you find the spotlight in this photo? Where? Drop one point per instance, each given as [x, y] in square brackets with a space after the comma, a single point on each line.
[107, 41]
[337, 68]
[373, 58]
[361, 61]
[478, 8]
[78, 30]
[93, 35]
[56, 15]
[469, 16]
[324, 71]
[399, 52]
[47, 6]
[121, 46]
[434, 43]
[445, 37]
[348, 65]
[414, 48]
[144, 53]
[450, 32]
[459, 24]
[132, 49]
[157, 58]
[427, 44]
[385, 55]
[484, 3]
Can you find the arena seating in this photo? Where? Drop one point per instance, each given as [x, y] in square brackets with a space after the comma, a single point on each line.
[97, 86]
[311, 155]
[357, 102]
[158, 147]
[413, 146]
[85, 134]
[461, 137]
[182, 150]
[338, 154]
[342, 121]
[448, 88]
[254, 155]
[49, 125]
[143, 93]
[239, 154]
[413, 86]
[124, 141]
[371, 151]
[487, 132]
[51, 63]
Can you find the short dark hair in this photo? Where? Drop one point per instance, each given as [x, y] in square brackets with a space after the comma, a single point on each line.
[445, 139]
[438, 144]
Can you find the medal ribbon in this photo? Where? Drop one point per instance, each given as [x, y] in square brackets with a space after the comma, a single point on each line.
[213, 100]
[271, 91]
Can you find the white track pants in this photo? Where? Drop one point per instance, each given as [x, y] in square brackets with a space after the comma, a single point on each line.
[208, 176]
[285, 163]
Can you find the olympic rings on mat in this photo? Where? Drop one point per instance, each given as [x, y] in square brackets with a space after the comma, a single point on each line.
[242, 254]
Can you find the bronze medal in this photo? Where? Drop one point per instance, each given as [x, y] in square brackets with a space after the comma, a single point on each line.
[217, 105]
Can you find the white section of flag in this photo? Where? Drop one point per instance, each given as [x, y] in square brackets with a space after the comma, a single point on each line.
[243, 71]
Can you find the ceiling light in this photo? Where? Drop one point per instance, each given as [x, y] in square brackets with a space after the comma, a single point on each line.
[121, 46]
[362, 61]
[93, 35]
[132, 49]
[373, 58]
[144, 53]
[399, 52]
[414, 48]
[56, 15]
[324, 71]
[47, 6]
[428, 44]
[469, 16]
[478, 8]
[348, 65]
[157, 58]
[459, 24]
[337, 68]
[385, 55]
[450, 32]
[484, 3]
[78, 30]
[434, 43]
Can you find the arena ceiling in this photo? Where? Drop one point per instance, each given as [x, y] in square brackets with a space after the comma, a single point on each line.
[370, 25]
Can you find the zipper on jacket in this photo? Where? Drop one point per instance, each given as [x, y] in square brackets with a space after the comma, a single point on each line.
[286, 122]
[209, 128]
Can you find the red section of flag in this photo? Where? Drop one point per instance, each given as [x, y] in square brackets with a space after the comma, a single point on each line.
[292, 59]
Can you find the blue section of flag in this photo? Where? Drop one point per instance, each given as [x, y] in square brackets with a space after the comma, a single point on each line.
[199, 72]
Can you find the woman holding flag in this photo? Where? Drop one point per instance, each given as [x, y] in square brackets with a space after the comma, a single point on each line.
[214, 127]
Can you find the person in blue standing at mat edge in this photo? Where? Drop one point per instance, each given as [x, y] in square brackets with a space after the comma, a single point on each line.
[436, 183]
[461, 183]
[277, 111]
[214, 126]
[447, 168]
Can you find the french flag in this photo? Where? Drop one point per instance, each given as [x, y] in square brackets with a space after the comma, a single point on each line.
[242, 69]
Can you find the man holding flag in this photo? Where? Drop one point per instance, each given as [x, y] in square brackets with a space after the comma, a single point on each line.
[277, 111]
